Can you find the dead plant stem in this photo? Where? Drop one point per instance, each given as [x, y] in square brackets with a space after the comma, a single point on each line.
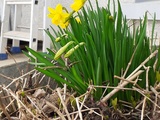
[3, 107]
[143, 63]
[20, 102]
[79, 109]
[109, 95]
[141, 92]
[131, 77]
[14, 80]
[63, 103]
[143, 108]
[129, 64]
[56, 110]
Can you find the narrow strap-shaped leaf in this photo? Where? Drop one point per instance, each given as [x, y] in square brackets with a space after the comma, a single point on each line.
[39, 57]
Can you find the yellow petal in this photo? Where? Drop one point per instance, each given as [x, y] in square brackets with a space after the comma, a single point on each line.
[51, 10]
[54, 21]
[58, 16]
[59, 8]
[64, 25]
[77, 5]
[50, 15]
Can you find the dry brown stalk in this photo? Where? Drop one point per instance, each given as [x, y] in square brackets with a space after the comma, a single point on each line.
[143, 63]
[63, 103]
[143, 107]
[104, 92]
[133, 82]
[56, 110]
[155, 91]
[3, 107]
[79, 110]
[129, 64]
[37, 108]
[84, 110]
[131, 77]
[20, 102]
[147, 89]
[108, 96]
[142, 93]
[11, 103]
[14, 80]
[111, 87]
[90, 89]
[147, 81]
[6, 77]
[93, 110]
[156, 98]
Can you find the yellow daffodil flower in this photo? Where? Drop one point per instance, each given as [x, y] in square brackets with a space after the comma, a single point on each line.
[58, 16]
[77, 5]
[64, 24]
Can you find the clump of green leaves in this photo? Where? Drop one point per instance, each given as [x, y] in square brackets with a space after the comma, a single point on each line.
[102, 46]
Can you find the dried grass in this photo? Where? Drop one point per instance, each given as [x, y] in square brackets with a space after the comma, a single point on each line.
[32, 101]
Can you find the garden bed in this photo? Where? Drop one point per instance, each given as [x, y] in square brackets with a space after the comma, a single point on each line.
[32, 100]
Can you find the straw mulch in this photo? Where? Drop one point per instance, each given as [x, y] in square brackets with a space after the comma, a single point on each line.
[26, 98]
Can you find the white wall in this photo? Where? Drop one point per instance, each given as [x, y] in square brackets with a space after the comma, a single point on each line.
[1, 4]
[133, 9]
[136, 9]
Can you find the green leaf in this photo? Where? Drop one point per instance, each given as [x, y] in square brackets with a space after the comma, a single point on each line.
[114, 103]
[40, 58]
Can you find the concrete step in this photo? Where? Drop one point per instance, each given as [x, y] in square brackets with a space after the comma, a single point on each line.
[13, 59]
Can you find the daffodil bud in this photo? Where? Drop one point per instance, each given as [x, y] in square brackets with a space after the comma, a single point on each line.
[70, 52]
[57, 39]
[111, 18]
[62, 50]
[78, 20]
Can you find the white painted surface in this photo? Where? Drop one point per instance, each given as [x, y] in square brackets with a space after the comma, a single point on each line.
[133, 9]
[16, 35]
[138, 9]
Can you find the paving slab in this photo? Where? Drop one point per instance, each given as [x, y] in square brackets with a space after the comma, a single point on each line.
[13, 59]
